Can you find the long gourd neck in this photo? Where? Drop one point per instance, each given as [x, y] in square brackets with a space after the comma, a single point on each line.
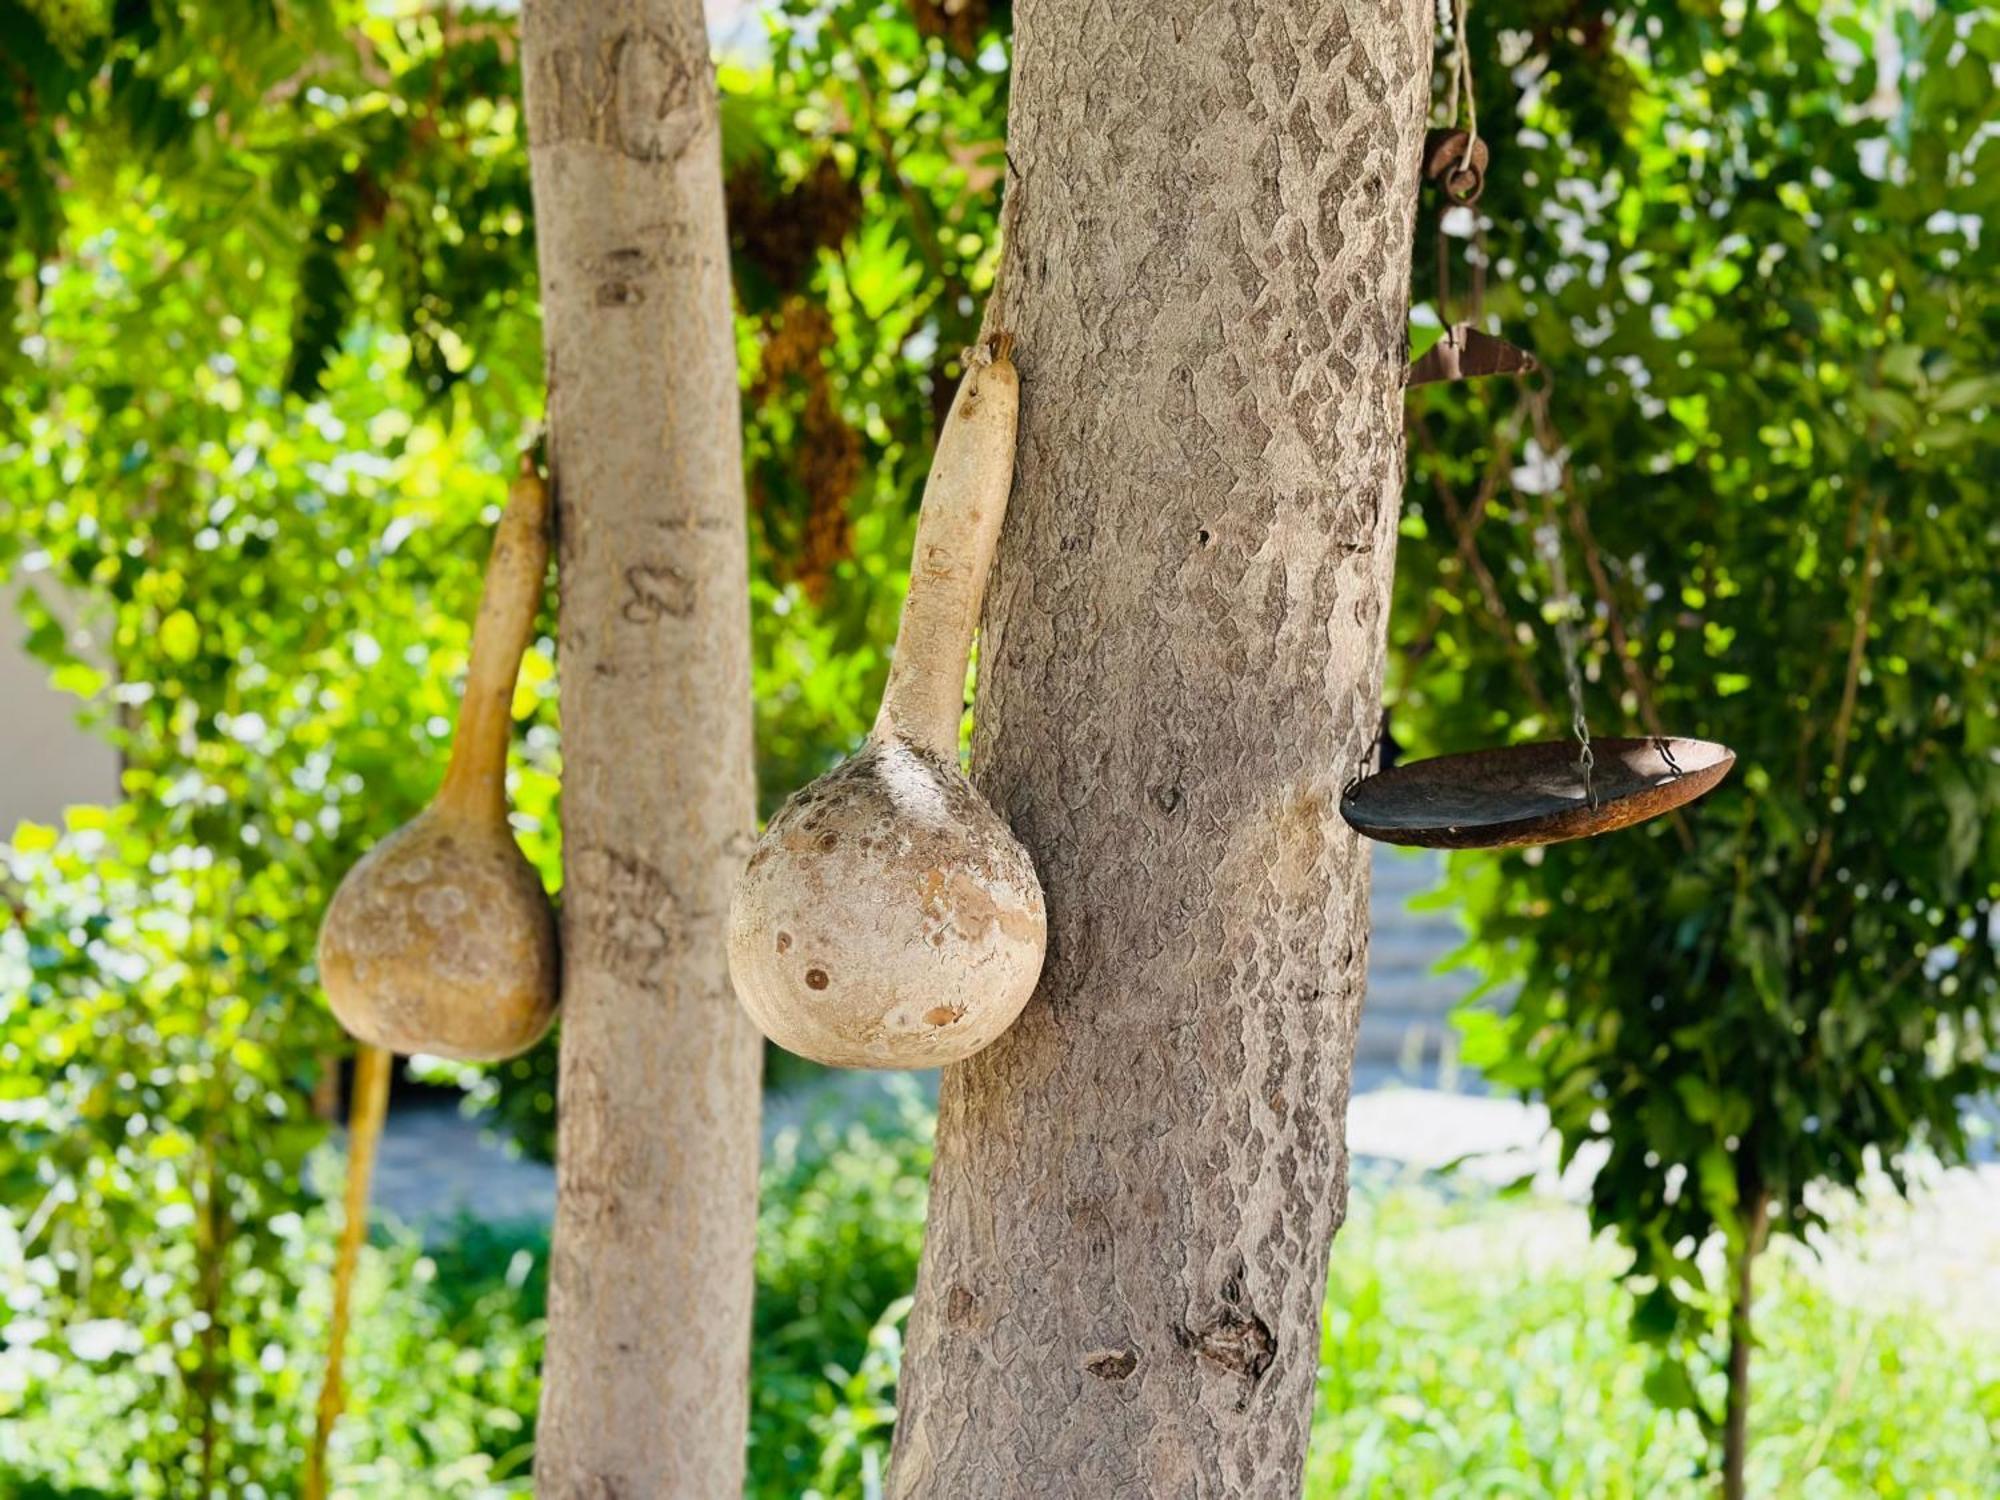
[475, 782]
[965, 501]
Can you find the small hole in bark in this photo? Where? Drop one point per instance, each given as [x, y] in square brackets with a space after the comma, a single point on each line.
[1206, 537]
[1112, 1364]
[784, 942]
[816, 979]
[828, 842]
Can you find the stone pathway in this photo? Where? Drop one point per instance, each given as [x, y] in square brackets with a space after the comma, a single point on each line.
[435, 1167]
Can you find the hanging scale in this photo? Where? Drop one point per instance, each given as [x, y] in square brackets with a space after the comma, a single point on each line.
[1557, 789]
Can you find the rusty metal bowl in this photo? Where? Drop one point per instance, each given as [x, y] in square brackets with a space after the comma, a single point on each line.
[1531, 794]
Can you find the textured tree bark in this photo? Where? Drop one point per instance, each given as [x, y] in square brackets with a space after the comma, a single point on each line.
[1137, 1186]
[645, 1383]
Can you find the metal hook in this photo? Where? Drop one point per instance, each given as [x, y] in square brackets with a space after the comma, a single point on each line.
[1456, 160]
[1465, 353]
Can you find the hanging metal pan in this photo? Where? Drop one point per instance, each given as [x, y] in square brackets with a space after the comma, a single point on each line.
[1531, 794]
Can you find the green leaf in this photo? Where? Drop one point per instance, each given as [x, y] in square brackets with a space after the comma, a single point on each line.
[1717, 1174]
[1656, 1315]
[180, 636]
[1669, 1386]
[1904, 364]
[78, 678]
[1892, 408]
[33, 838]
[1964, 395]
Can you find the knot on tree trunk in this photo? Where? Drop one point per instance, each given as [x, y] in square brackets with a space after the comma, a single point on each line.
[1235, 1338]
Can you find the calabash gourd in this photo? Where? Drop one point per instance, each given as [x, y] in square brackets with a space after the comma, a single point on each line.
[441, 939]
[888, 918]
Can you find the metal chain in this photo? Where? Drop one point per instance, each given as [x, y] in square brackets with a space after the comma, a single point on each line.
[1569, 607]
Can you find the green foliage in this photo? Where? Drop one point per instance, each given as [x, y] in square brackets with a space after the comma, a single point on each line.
[247, 535]
[361, 162]
[467, 1314]
[838, 1237]
[155, 1136]
[839, 1230]
[1749, 248]
[864, 165]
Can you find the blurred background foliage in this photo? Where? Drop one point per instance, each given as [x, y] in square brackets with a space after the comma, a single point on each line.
[272, 336]
[1751, 247]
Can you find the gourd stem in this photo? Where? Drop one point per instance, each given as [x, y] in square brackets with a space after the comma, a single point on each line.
[965, 501]
[476, 780]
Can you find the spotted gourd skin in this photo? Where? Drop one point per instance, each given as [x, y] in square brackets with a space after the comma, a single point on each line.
[888, 919]
[441, 940]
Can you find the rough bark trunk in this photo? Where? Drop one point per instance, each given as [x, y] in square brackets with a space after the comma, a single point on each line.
[645, 1382]
[1136, 1188]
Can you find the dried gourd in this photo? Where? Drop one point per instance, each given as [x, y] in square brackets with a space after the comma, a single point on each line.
[441, 939]
[888, 918]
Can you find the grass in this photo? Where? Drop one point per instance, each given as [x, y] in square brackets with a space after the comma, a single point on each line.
[1472, 1346]
[1479, 1348]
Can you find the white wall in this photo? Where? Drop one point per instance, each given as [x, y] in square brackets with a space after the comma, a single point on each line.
[47, 762]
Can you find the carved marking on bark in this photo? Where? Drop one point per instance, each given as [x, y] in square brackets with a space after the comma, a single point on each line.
[722, 524]
[658, 590]
[644, 93]
[638, 924]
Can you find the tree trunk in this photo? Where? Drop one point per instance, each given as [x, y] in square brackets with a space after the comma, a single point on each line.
[1742, 1338]
[373, 1071]
[645, 1383]
[1136, 1188]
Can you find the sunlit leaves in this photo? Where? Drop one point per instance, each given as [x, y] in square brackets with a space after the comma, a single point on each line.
[1746, 251]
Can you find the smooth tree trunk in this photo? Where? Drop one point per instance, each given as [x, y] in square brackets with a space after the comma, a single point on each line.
[645, 1382]
[1136, 1188]
[1742, 1334]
